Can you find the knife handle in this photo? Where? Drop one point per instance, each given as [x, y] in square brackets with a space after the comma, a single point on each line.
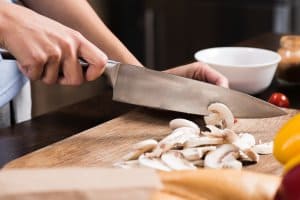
[111, 67]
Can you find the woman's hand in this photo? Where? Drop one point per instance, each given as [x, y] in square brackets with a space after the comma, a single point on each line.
[45, 48]
[200, 71]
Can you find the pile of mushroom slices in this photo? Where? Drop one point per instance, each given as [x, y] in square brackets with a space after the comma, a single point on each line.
[187, 148]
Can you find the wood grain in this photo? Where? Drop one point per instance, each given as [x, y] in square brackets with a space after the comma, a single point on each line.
[105, 144]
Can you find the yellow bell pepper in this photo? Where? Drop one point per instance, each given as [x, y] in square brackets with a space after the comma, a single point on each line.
[287, 143]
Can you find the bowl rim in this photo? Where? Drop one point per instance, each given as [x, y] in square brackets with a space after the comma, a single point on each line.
[276, 61]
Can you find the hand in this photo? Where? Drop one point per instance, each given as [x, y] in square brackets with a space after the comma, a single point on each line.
[200, 71]
[44, 47]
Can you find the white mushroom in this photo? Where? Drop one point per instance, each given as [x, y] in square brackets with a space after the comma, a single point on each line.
[214, 158]
[176, 139]
[264, 148]
[198, 163]
[154, 163]
[245, 141]
[213, 131]
[230, 161]
[219, 114]
[200, 141]
[179, 122]
[192, 154]
[140, 148]
[175, 161]
[251, 155]
[242, 141]
[146, 145]
[127, 164]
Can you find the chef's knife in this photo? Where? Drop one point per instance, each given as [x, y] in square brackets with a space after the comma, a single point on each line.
[145, 87]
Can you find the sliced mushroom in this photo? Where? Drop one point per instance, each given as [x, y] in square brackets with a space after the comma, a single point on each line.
[213, 131]
[154, 163]
[175, 161]
[220, 114]
[230, 161]
[198, 163]
[179, 122]
[251, 155]
[127, 164]
[146, 145]
[176, 139]
[242, 141]
[192, 154]
[214, 158]
[264, 148]
[200, 141]
[140, 148]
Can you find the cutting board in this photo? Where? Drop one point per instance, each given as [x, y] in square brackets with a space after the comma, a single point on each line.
[106, 143]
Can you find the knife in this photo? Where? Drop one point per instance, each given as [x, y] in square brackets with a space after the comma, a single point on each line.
[150, 88]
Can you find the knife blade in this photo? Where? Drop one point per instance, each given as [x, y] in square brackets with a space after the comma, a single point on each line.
[145, 87]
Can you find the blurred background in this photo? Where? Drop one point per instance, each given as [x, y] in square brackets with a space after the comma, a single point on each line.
[166, 33]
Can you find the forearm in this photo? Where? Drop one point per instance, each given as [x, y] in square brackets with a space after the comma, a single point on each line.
[78, 15]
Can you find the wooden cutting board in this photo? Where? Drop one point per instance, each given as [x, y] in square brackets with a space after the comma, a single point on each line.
[105, 144]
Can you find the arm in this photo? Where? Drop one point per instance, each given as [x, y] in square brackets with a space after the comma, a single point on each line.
[79, 15]
[44, 47]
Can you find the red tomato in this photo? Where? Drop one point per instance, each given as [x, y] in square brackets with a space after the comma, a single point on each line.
[279, 99]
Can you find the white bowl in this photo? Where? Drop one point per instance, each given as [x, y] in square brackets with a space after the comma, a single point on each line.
[249, 70]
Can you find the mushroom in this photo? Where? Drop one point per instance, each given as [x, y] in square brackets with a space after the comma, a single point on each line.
[264, 148]
[230, 161]
[214, 159]
[198, 163]
[154, 163]
[140, 148]
[192, 154]
[205, 140]
[242, 141]
[176, 139]
[127, 164]
[179, 122]
[220, 115]
[213, 131]
[251, 155]
[175, 161]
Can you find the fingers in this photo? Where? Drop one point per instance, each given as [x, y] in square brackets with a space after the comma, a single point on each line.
[206, 73]
[94, 56]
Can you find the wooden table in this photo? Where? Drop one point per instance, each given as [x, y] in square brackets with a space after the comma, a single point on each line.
[47, 129]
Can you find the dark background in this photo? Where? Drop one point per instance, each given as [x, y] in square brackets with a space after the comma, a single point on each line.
[164, 33]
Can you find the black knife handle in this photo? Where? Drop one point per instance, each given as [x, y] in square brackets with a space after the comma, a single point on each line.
[8, 56]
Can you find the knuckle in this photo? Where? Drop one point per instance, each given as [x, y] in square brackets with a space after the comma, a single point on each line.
[55, 55]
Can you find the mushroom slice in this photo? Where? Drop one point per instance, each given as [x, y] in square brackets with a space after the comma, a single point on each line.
[177, 138]
[200, 141]
[192, 154]
[140, 148]
[219, 114]
[214, 158]
[245, 141]
[146, 145]
[132, 155]
[251, 155]
[198, 163]
[154, 163]
[214, 131]
[179, 122]
[175, 161]
[230, 161]
[264, 148]
[127, 164]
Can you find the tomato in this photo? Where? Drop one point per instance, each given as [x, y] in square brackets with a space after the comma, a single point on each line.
[279, 99]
